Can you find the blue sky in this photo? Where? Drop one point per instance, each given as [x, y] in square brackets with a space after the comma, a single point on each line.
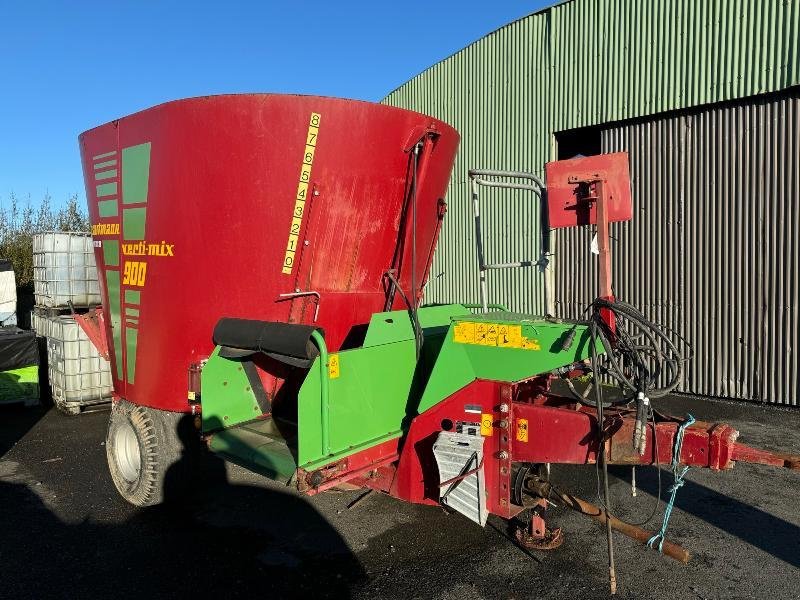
[68, 66]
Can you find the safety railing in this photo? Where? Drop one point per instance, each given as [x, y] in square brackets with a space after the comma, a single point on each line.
[494, 179]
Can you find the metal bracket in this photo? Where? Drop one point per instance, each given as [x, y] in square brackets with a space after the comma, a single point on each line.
[292, 295]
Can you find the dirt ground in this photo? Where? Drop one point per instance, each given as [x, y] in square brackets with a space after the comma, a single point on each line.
[64, 532]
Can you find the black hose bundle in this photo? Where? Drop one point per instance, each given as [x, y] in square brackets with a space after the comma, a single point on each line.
[642, 358]
[645, 362]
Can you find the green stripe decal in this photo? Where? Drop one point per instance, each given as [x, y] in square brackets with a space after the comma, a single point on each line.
[110, 174]
[104, 155]
[103, 165]
[111, 253]
[135, 173]
[112, 284]
[108, 208]
[133, 223]
[131, 339]
[107, 189]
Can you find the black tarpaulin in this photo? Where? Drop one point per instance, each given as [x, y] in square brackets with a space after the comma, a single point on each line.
[18, 348]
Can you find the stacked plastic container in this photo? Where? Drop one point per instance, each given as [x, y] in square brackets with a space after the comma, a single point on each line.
[65, 282]
[64, 270]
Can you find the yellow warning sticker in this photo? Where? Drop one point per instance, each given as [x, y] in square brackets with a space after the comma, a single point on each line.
[487, 421]
[333, 366]
[510, 336]
[502, 335]
[522, 430]
[464, 333]
[491, 335]
[529, 344]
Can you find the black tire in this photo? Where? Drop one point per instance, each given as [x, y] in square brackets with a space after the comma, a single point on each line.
[145, 453]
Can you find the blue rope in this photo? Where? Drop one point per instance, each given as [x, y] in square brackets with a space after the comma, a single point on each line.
[677, 474]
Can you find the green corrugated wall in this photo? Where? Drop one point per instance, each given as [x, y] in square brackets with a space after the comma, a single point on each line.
[579, 63]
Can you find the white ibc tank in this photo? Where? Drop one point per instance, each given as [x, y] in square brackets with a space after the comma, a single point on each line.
[64, 270]
[79, 376]
[40, 324]
[8, 294]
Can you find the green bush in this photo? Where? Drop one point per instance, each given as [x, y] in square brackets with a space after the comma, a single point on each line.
[20, 221]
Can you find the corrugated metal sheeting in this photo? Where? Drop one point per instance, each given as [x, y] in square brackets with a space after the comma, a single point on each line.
[713, 250]
[492, 93]
[579, 63]
[589, 62]
[618, 59]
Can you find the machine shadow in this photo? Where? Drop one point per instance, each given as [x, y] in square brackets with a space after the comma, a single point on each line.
[212, 537]
[750, 524]
[16, 421]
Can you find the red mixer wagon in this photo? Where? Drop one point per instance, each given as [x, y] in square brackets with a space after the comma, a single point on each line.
[262, 263]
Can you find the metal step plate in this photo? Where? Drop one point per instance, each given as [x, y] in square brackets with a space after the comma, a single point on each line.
[457, 454]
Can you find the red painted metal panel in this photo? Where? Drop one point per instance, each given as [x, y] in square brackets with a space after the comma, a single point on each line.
[554, 435]
[567, 205]
[417, 479]
[562, 434]
[551, 430]
[93, 325]
[372, 467]
[220, 194]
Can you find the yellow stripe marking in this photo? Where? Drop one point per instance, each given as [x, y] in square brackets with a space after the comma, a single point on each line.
[302, 193]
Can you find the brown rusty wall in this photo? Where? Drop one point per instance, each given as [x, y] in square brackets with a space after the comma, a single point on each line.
[713, 247]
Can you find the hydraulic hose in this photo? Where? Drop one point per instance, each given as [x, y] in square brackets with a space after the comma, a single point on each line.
[642, 358]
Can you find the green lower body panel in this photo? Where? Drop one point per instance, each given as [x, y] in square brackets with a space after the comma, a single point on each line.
[20, 385]
[257, 446]
[228, 397]
[354, 399]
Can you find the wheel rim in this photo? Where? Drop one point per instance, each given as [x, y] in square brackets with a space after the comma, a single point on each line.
[126, 452]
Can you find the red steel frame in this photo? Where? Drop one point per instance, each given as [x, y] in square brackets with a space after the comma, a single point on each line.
[558, 431]
[529, 424]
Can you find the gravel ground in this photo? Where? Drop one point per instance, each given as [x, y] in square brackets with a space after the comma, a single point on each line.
[64, 532]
